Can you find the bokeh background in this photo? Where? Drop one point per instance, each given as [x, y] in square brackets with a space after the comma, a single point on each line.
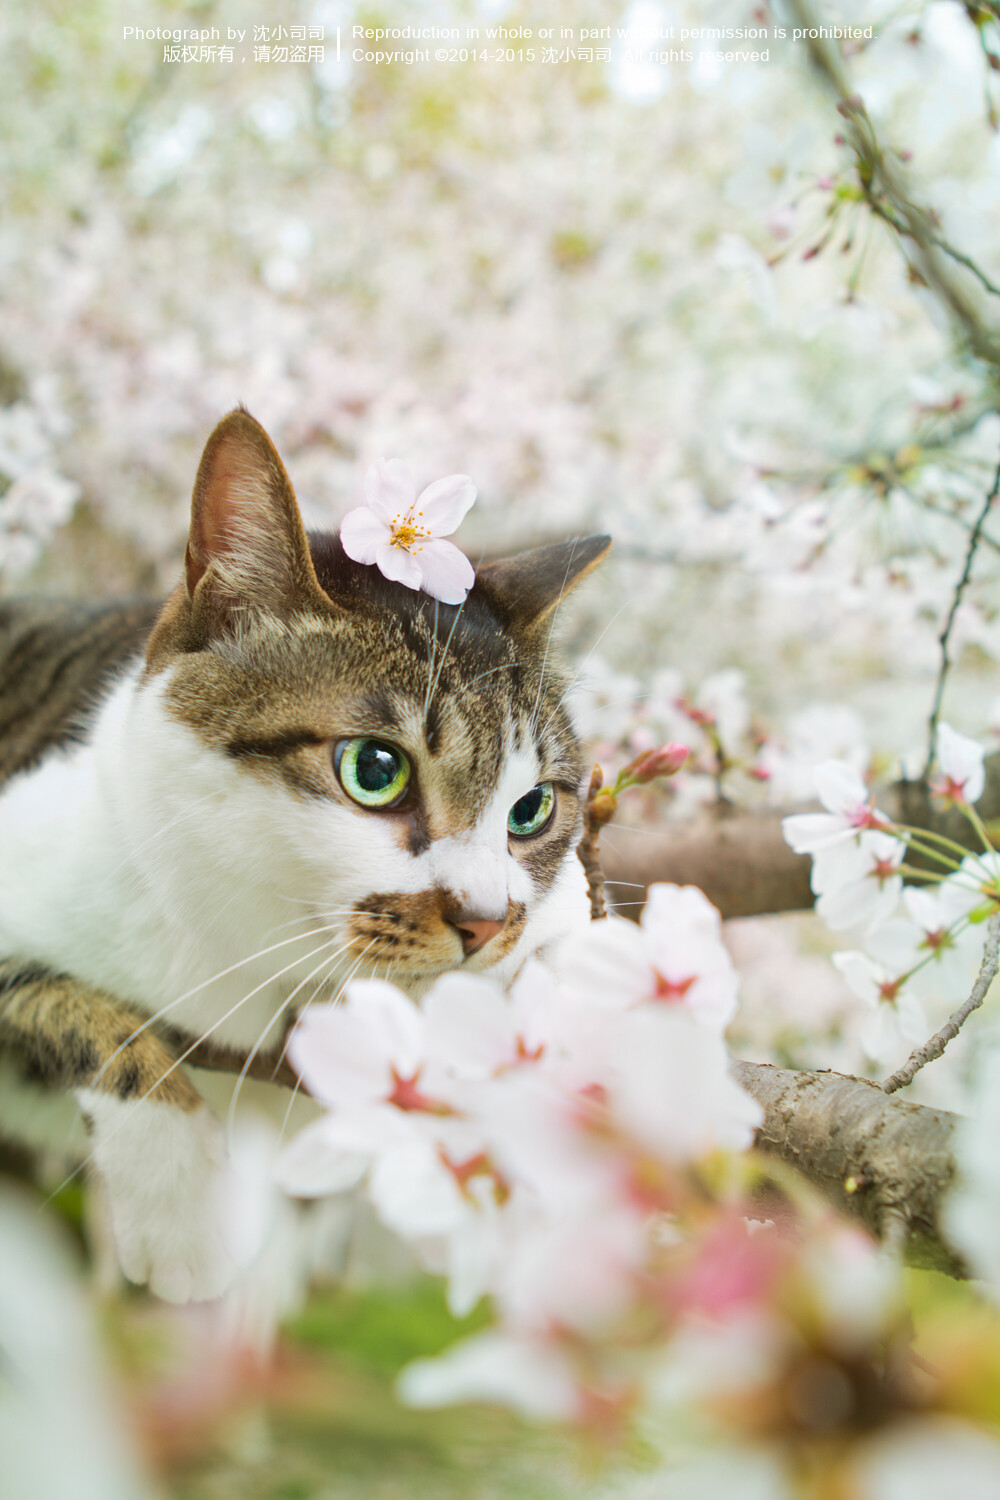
[623, 296]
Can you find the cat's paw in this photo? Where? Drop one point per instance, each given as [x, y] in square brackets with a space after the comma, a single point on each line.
[167, 1184]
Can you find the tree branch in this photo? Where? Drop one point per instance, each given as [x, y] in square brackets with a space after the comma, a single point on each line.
[742, 863]
[944, 640]
[587, 851]
[882, 188]
[883, 1161]
[933, 1048]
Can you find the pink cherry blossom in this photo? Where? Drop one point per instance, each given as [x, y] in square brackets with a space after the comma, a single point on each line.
[401, 532]
[675, 956]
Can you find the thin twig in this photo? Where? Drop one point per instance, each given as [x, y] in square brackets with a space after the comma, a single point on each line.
[587, 849]
[944, 640]
[882, 189]
[968, 263]
[949, 1031]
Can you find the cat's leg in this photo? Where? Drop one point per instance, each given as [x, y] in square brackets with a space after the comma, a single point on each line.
[159, 1150]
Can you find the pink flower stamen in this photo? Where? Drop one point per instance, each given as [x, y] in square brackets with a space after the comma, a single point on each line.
[406, 1096]
[951, 791]
[865, 815]
[672, 990]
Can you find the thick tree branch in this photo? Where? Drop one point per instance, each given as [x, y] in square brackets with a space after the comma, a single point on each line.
[740, 860]
[884, 1161]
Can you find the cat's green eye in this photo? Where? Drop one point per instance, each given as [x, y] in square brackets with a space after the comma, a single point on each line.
[371, 772]
[531, 812]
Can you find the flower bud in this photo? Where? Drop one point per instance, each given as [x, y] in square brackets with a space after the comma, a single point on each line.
[666, 761]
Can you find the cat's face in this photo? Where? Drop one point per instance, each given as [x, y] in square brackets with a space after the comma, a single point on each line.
[404, 769]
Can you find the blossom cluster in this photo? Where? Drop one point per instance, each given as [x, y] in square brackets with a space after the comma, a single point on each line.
[575, 1151]
[922, 942]
[521, 1142]
[519, 322]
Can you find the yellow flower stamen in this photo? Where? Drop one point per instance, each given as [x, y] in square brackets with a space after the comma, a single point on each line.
[405, 531]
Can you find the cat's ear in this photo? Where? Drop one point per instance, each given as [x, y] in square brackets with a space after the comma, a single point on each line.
[247, 547]
[526, 589]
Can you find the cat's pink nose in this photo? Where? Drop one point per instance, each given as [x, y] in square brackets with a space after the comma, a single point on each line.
[475, 932]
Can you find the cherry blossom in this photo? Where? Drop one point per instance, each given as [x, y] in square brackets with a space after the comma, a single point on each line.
[961, 776]
[401, 532]
[670, 1087]
[675, 956]
[897, 1020]
[849, 811]
[365, 1059]
[935, 940]
[858, 884]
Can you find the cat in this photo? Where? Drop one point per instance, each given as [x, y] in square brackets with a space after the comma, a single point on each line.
[215, 812]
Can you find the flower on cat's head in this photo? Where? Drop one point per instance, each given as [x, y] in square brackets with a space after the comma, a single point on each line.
[401, 531]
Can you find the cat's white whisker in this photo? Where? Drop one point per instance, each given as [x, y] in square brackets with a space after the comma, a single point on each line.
[291, 1029]
[145, 844]
[159, 1015]
[334, 999]
[505, 666]
[620, 611]
[179, 1061]
[330, 958]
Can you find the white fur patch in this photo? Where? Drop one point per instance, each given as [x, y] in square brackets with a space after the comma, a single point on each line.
[166, 1177]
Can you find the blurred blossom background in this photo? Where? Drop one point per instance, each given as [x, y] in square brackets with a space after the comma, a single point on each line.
[623, 296]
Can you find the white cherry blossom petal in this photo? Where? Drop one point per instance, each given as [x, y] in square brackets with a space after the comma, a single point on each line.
[860, 904]
[445, 572]
[470, 1030]
[346, 1053]
[672, 1088]
[531, 1376]
[841, 790]
[864, 976]
[315, 1162]
[414, 1193]
[810, 833]
[606, 965]
[339, 1058]
[398, 565]
[362, 534]
[445, 503]
[960, 763]
[393, 1019]
[838, 866]
[923, 908]
[389, 489]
